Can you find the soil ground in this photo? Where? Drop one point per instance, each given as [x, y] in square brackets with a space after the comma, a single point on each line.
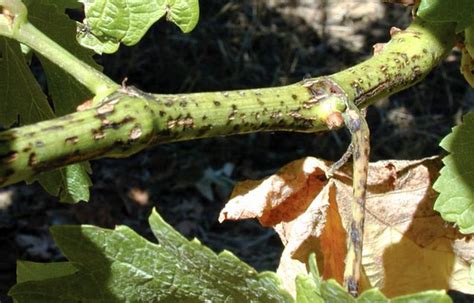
[237, 44]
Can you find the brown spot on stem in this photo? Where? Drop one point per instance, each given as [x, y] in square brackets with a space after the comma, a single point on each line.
[52, 128]
[217, 103]
[105, 122]
[98, 134]
[116, 125]
[136, 132]
[84, 106]
[355, 235]
[276, 115]
[186, 122]
[203, 130]
[295, 114]
[32, 160]
[105, 109]
[72, 140]
[356, 154]
[334, 120]
[171, 123]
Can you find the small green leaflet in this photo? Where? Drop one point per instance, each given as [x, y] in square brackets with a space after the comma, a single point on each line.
[109, 22]
[121, 266]
[455, 202]
[321, 291]
[71, 183]
[459, 11]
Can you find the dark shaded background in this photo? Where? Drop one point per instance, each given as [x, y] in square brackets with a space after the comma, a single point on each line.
[237, 44]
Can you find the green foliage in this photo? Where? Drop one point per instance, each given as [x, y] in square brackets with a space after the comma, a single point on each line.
[21, 94]
[456, 182]
[31, 271]
[31, 105]
[459, 11]
[469, 40]
[110, 22]
[49, 17]
[311, 288]
[119, 265]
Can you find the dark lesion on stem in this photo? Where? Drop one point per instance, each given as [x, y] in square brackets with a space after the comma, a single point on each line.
[354, 120]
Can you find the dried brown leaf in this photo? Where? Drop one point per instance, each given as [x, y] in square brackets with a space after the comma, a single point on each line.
[407, 246]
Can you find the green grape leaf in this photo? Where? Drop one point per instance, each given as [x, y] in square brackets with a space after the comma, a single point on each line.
[21, 95]
[32, 271]
[119, 265]
[71, 183]
[459, 11]
[455, 184]
[109, 22]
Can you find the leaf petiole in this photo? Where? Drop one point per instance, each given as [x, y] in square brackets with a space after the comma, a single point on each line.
[15, 25]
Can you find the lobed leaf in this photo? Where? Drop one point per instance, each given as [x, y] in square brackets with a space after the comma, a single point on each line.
[312, 214]
[455, 202]
[119, 265]
[111, 22]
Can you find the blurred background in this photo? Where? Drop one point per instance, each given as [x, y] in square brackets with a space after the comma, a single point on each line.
[236, 45]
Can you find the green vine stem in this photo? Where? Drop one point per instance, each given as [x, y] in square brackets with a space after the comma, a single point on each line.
[15, 25]
[128, 120]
